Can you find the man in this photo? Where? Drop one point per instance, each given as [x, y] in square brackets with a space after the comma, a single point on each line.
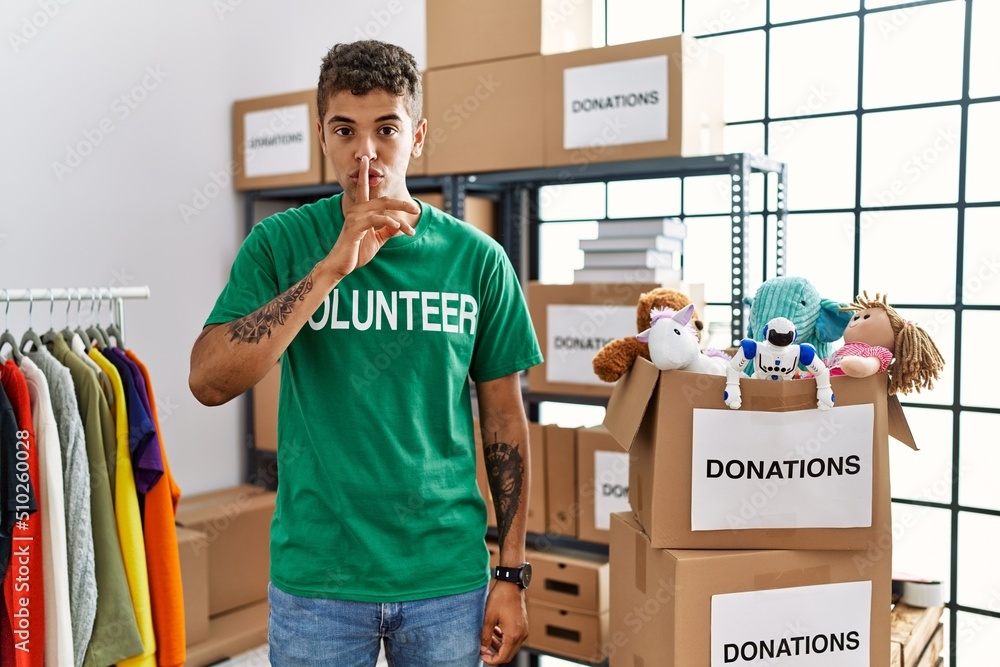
[379, 309]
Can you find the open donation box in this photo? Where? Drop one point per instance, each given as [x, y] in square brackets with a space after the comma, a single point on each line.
[776, 474]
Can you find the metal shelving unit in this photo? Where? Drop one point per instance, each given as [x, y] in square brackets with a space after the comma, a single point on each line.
[516, 193]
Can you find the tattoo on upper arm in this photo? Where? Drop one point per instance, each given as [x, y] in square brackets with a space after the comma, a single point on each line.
[505, 468]
[257, 325]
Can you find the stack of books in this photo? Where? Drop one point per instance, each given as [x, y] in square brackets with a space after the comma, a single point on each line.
[644, 250]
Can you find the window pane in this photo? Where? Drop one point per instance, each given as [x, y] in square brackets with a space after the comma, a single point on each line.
[755, 192]
[985, 55]
[755, 255]
[978, 334]
[821, 157]
[889, 236]
[940, 326]
[717, 321]
[978, 636]
[805, 79]
[570, 415]
[984, 145]
[645, 198]
[707, 257]
[978, 545]
[559, 249]
[920, 545]
[830, 266]
[791, 10]
[744, 139]
[744, 73]
[636, 20]
[911, 157]
[980, 460]
[707, 194]
[577, 201]
[981, 284]
[923, 475]
[914, 55]
[708, 16]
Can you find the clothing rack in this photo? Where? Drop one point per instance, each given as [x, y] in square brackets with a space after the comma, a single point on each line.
[115, 295]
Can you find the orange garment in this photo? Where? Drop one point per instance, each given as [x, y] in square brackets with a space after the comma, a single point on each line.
[24, 595]
[162, 557]
[130, 523]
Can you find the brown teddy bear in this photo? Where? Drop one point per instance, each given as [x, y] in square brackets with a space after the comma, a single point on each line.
[617, 357]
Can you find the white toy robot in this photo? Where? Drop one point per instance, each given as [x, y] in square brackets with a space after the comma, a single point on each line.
[776, 359]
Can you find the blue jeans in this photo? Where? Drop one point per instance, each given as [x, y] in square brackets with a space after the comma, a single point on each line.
[438, 632]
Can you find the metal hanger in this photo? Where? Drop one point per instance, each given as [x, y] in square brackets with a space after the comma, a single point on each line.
[113, 329]
[66, 333]
[94, 332]
[30, 335]
[79, 331]
[7, 336]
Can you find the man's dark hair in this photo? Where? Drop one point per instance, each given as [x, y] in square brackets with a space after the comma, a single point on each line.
[368, 65]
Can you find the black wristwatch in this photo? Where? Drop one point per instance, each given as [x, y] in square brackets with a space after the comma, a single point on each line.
[515, 575]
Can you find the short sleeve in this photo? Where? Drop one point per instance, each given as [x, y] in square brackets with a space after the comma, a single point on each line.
[252, 282]
[505, 337]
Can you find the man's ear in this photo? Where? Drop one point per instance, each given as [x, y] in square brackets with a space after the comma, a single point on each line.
[321, 135]
[832, 321]
[419, 134]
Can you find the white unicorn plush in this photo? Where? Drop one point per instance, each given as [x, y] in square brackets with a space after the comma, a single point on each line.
[673, 343]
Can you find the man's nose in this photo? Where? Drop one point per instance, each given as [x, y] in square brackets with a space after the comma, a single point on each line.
[366, 148]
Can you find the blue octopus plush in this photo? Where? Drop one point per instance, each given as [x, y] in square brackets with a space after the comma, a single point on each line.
[818, 321]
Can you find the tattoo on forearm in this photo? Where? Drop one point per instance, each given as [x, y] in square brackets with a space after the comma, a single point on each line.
[505, 471]
[257, 325]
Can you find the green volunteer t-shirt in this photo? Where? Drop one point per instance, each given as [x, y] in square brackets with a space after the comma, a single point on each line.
[377, 499]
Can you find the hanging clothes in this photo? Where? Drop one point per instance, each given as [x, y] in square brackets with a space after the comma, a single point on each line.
[76, 481]
[79, 404]
[26, 608]
[129, 523]
[147, 466]
[8, 509]
[160, 535]
[55, 565]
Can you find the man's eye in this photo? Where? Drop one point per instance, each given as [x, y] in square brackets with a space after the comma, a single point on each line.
[342, 131]
[387, 130]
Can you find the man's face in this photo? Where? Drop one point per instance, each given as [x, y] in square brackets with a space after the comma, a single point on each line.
[376, 125]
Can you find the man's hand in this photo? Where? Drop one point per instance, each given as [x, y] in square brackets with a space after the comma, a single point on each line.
[505, 625]
[367, 226]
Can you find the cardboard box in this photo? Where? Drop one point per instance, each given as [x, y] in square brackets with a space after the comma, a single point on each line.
[653, 415]
[230, 634]
[564, 632]
[485, 117]
[237, 525]
[417, 165]
[571, 580]
[275, 143]
[913, 632]
[603, 475]
[480, 212]
[192, 548]
[573, 323]
[696, 608]
[560, 481]
[265, 410]
[658, 98]
[459, 32]
[536, 522]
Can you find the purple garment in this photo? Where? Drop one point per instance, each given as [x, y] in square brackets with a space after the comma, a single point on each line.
[147, 464]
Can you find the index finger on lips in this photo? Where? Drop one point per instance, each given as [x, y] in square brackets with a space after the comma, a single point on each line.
[362, 191]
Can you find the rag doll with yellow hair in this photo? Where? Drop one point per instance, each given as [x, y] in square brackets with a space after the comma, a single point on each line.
[878, 339]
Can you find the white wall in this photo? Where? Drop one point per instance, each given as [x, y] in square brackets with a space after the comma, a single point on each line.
[113, 216]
